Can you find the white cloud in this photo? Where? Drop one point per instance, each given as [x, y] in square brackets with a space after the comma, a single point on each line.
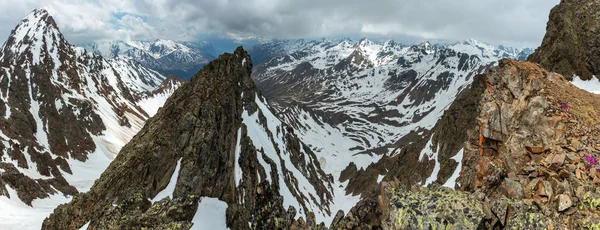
[496, 21]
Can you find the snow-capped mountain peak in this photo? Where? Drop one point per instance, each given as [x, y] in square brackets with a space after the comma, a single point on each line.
[36, 32]
[364, 42]
[64, 114]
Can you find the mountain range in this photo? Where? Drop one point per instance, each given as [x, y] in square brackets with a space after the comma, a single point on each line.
[354, 101]
[299, 134]
[182, 59]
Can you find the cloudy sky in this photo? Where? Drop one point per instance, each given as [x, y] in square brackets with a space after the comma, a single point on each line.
[512, 22]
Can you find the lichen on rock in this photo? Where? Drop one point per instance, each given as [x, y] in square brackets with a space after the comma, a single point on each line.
[435, 208]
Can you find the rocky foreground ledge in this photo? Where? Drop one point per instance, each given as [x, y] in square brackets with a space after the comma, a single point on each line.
[530, 163]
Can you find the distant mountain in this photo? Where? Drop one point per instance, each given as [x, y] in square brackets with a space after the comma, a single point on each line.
[181, 59]
[64, 115]
[263, 52]
[354, 102]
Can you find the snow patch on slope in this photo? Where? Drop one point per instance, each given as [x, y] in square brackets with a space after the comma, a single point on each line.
[14, 214]
[261, 140]
[210, 215]
[431, 155]
[592, 86]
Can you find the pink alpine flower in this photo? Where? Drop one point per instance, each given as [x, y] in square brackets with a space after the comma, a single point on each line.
[590, 161]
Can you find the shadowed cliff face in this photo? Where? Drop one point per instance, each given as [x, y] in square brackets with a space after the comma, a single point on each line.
[215, 137]
[571, 45]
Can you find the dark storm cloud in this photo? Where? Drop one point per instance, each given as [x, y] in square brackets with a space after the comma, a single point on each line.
[496, 21]
[491, 20]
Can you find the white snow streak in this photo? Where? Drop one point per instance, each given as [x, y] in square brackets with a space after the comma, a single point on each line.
[168, 191]
[238, 169]
[210, 215]
[451, 182]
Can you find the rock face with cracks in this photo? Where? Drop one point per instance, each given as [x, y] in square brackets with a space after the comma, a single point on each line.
[571, 45]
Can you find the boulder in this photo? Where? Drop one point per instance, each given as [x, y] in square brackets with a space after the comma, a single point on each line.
[564, 202]
[536, 149]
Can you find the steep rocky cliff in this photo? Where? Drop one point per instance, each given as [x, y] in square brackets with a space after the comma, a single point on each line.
[571, 45]
[214, 140]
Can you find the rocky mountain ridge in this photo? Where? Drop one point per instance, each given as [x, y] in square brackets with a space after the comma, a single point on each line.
[227, 146]
[571, 46]
[519, 146]
[528, 156]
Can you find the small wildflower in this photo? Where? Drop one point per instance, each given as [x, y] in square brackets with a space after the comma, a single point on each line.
[565, 106]
[590, 161]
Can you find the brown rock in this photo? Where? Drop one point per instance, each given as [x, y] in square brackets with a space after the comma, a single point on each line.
[571, 149]
[533, 184]
[558, 159]
[534, 175]
[529, 169]
[513, 189]
[540, 201]
[543, 171]
[573, 158]
[536, 149]
[564, 202]
[596, 180]
[563, 174]
[349, 225]
[536, 158]
[548, 159]
[576, 144]
[579, 192]
[544, 188]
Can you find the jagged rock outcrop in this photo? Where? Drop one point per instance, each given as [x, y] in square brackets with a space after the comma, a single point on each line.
[528, 153]
[571, 45]
[215, 137]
